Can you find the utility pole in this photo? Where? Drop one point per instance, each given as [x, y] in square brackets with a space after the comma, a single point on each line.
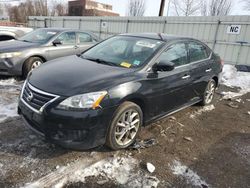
[162, 8]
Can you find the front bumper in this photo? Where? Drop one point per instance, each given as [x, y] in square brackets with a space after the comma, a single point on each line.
[12, 66]
[74, 130]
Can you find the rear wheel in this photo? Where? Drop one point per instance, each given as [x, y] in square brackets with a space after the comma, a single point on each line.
[209, 93]
[31, 64]
[125, 126]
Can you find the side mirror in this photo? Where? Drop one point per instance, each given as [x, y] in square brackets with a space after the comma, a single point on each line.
[163, 66]
[56, 42]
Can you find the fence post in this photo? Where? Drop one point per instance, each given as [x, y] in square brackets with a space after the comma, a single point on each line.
[45, 22]
[164, 26]
[127, 26]
[216, 33]
[100, 28]
[35, 24]
[80, 23]
[63, 23]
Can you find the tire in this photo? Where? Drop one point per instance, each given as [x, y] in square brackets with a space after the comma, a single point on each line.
[30, 64]
[209, 92]
[122, 125]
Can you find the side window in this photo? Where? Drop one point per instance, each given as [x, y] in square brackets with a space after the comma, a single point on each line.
[84, 37]
[176, 54]
[197, 51]
[68, 38]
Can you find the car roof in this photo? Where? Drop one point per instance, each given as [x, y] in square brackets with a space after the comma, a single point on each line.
[158, 36]
[63, 29]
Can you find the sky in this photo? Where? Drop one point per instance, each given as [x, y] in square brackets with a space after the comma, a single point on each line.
[152, 7]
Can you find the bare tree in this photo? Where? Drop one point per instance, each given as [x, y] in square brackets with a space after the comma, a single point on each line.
[216, 7]
[247, 4]
[136, 7]
[59, 8]
[1, 9]
[186, 7]
[21, 12]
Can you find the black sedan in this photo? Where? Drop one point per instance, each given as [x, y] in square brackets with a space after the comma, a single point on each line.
[105, 95]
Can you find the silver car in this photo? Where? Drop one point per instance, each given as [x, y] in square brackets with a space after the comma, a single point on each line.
[19, 57]
[9, 33]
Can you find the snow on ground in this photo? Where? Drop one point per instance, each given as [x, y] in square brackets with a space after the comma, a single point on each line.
[121, 170]
[233, 78]
[9, 91]
[202, 110]
[189, 175]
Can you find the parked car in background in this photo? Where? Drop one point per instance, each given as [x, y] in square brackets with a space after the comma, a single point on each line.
[106, 94]
[9, 33]
[19, 57]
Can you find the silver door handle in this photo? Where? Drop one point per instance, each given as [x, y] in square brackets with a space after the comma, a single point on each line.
[186, 77]
[76, 47]
[208, 70]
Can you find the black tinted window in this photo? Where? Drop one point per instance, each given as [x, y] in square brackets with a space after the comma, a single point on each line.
[197, 52]
[177, 54]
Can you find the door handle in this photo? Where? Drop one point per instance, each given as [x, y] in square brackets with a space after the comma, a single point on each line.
[209, 70]
[186, 77]
[76, 47]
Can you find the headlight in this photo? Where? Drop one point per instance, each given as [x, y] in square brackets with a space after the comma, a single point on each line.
[84, 101]
[10, 55]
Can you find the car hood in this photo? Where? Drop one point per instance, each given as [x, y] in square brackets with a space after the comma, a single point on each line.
[73, 75]
[15, 45]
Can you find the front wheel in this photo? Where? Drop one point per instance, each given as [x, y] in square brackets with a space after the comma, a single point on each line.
[208, 95]
[125, 126]
[31, 64]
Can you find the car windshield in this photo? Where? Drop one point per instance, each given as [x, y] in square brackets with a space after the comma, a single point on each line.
[39, 36]
[124, 51]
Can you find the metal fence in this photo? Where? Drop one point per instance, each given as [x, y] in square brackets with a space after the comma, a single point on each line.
[229, 36]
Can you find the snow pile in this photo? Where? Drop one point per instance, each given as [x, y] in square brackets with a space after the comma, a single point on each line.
[233, 78]
[9, 91]
[7, 111]
[9, 82]
[120, 170]
[202, 110]
[190, 176]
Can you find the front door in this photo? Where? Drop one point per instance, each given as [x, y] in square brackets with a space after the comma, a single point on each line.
[66, 48]
[171, 89]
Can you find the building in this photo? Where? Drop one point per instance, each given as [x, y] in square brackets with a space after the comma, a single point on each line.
[90, 8]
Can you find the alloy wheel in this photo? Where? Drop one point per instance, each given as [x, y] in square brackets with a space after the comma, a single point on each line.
[209, 94]
[127, 127]
[35, 65]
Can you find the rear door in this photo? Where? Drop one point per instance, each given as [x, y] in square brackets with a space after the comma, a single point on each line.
[171, 89]
[84, 41]
[67, 46]
[202, 66]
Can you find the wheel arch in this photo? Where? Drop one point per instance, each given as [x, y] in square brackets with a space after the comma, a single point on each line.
[216, 79]
[39, 56]
[137, 99]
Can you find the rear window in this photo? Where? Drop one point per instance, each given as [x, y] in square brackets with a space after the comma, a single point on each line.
[197, 51]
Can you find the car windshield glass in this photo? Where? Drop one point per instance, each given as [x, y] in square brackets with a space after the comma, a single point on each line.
[123, 51]
[39, 36]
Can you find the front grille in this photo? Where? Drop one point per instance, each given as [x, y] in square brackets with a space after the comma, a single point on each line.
[36, 98]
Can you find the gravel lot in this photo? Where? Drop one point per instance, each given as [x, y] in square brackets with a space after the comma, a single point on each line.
[196, 147]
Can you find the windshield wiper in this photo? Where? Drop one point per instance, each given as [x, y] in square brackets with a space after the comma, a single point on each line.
[101, 61]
